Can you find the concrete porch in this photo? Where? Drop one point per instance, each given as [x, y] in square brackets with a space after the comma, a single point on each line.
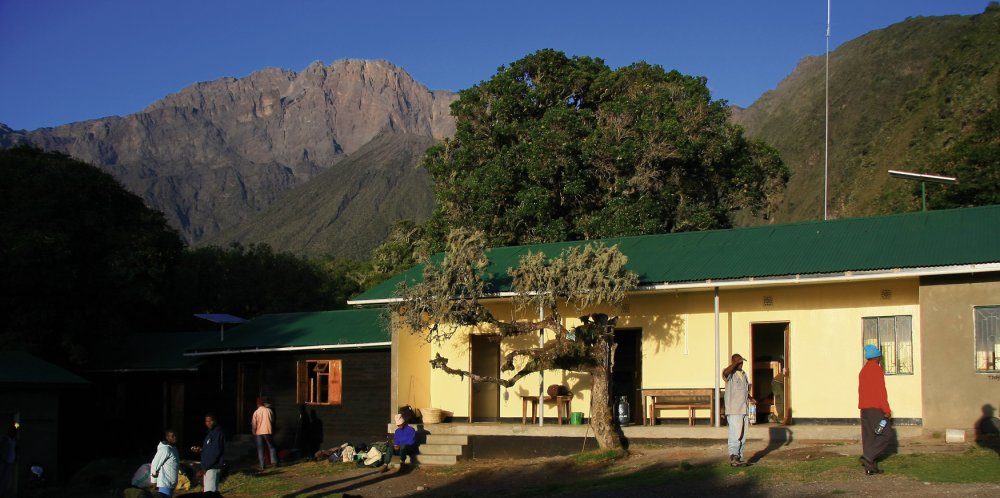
[670, 431]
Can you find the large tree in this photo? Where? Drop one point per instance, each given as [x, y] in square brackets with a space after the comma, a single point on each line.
[584, 279]
[564, 148]
[82, 259]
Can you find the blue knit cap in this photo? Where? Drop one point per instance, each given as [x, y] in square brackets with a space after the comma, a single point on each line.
[871, 352]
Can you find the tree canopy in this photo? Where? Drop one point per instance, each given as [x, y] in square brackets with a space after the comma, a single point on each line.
[82, 258]
[564, 148]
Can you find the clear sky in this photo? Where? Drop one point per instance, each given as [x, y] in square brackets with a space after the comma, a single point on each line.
[71, 60]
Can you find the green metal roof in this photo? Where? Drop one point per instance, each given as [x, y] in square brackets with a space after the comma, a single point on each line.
[913, 240]
[343, 329]
[159, 352]
[18, 367]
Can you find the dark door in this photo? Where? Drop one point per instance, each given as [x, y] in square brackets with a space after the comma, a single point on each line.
[248, 391]
[485, 396]
[626, 378]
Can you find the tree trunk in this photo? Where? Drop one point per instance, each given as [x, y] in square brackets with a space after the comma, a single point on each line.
[602, 419]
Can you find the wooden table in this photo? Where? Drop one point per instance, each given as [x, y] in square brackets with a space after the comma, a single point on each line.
[562, 407]
[650, 415]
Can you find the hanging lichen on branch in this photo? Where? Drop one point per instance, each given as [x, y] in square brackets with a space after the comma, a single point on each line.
[582, 278]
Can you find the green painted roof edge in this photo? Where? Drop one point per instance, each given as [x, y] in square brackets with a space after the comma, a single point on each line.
[338, 329]
[909, 240]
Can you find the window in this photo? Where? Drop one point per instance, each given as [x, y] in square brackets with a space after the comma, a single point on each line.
[318, 382]
[987, 346]
[893, 335]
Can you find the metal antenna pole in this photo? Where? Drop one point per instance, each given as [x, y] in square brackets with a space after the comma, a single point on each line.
[826, 134]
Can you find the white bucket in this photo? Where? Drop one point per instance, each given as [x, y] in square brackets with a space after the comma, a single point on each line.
[954, 436]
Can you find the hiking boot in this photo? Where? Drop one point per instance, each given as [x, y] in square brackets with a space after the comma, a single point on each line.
[871, 468]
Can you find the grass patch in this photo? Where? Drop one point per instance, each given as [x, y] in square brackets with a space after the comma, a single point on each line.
[598, 456]
[976, 465]
[281, 480]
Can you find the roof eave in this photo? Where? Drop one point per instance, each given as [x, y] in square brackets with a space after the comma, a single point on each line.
[846, 276]
[368, 345]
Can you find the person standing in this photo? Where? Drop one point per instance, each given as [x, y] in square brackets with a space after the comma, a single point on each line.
[261, 422]
[873, 401]
[8, 457]
[737, 402]
[212, 451]
[163, 470]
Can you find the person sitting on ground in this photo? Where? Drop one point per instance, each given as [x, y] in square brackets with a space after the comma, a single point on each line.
[163, 470]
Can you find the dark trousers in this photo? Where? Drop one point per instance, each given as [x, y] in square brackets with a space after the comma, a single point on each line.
[872, 445]
[404, 451]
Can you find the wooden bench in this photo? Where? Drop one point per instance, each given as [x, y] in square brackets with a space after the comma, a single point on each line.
[677, 399]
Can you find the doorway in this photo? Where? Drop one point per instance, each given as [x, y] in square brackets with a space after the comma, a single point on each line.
[485, 396]
[247, 392]
[626, 379]
[769, 373]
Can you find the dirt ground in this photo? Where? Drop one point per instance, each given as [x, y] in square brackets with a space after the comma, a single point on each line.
[541, 476]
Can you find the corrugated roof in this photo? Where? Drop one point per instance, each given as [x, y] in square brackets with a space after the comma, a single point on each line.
[159, 352]
[364, 328]
[20, 368]
[912, 240]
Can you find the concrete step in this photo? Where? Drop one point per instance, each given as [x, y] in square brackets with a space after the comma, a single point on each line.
[441, 449]
[461, 440]
[424, 459]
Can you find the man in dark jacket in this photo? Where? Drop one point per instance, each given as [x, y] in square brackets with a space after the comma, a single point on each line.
[212, 451]
[873, 401]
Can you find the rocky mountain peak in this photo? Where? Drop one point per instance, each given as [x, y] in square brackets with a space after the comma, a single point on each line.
[216, 152]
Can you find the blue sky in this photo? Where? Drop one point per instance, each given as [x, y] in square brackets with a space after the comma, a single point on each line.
[70, 60]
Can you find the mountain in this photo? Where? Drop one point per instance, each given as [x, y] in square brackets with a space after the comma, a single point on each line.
[898, 96]
[216, 153]
[349, 208]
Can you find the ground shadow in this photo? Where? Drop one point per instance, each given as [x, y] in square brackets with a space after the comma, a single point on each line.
[988, 429]
[350, 483]
[776, 438]
[565, 478]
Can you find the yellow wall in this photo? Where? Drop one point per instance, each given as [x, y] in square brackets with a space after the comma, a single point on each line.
[678, 346]
[413, 355]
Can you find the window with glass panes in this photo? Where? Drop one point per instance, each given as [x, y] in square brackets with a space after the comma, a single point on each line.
[987, 347]
[893, 336]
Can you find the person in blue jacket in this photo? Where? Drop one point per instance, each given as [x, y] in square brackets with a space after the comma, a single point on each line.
[212, 451]
[403, 439]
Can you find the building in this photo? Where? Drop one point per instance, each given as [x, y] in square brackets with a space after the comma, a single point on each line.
[332, 364]
[924, 287]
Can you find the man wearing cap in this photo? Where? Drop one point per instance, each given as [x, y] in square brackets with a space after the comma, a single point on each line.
[737, 399]
[873, 401]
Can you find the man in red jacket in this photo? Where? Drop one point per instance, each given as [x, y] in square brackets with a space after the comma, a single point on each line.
[873, 401]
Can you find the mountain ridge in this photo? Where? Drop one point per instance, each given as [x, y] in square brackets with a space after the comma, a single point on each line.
[215, 153]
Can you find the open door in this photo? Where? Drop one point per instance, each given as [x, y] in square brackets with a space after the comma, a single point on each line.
[626, 379]
[485, 397]
[770, 354]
